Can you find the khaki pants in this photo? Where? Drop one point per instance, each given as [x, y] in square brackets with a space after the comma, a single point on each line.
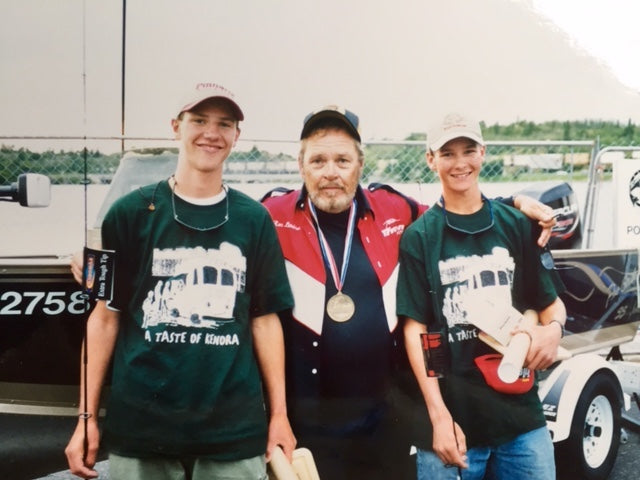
[129, 468]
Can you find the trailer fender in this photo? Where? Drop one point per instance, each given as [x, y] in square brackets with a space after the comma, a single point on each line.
[561, 390]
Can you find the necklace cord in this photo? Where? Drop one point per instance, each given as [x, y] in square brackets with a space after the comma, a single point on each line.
[462, 230]
[193, 227]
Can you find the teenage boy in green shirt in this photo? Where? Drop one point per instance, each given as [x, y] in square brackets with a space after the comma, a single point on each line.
[193, 327]
[469, 247]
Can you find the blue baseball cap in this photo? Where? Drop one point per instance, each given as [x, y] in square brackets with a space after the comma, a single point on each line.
[346, 117]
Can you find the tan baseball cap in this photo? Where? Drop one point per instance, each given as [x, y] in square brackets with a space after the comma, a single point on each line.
[452, 126]
[202, 91]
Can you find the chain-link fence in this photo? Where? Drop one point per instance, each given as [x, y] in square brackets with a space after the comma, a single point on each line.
[64, 159]
[255, 167]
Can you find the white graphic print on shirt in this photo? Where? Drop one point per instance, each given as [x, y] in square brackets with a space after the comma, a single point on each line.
[467, 278]
[198, 286]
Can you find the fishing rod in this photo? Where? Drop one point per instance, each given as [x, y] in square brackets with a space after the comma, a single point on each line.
[85, 415]
[122, 76]
[93, 288]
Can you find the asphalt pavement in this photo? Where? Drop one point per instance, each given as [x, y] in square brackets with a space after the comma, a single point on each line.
[627, 463]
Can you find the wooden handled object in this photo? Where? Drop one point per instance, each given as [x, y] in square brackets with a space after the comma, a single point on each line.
[280, 466]
[302, 467]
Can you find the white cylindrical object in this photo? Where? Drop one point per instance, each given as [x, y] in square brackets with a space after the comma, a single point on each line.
[513, 359]
[516, 352]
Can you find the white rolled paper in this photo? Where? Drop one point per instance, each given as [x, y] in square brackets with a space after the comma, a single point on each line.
[516, 352]
[513, 358]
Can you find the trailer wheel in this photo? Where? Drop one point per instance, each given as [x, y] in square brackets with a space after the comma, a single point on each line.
[591, 449]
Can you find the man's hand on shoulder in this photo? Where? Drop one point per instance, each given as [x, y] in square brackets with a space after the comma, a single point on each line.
[536, 210]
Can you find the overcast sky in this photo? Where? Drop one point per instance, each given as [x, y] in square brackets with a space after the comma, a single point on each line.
[606, 29]
[395, 63]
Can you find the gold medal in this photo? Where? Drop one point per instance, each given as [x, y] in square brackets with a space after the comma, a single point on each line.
[340, 307]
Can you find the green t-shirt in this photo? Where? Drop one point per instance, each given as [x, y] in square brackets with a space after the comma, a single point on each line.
[440, 267]
[185, 378]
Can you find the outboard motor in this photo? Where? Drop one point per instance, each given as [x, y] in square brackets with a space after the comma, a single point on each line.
[567, 233]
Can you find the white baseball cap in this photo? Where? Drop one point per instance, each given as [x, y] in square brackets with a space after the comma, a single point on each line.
[202, 91]
[453, 125]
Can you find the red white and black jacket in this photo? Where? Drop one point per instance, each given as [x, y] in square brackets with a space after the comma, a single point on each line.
[383, 215]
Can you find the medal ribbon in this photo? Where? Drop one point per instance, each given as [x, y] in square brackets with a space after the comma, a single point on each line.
[326, 249]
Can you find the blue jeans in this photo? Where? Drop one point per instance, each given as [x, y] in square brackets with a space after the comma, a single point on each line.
[527, 457]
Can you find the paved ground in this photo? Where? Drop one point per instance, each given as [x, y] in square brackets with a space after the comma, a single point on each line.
[101, 467]
[627, 464]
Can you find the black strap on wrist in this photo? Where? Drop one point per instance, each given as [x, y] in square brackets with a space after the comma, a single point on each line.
[561, 326]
